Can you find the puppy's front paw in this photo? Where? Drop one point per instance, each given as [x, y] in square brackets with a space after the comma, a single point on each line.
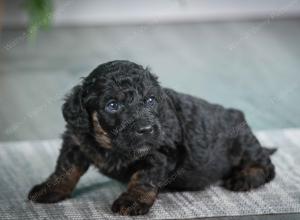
[128, 205]
[44, 193]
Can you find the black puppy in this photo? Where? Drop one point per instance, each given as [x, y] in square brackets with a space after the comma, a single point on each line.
[121, 121]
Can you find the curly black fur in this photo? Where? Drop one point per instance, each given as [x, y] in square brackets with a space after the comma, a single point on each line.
[157, 139]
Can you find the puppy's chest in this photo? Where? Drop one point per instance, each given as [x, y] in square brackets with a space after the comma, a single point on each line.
[113, 166]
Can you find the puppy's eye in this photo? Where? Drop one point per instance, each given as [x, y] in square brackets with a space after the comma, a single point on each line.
[150, 101]
[112, 106]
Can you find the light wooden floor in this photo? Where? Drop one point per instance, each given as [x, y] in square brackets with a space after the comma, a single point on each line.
[253, 66]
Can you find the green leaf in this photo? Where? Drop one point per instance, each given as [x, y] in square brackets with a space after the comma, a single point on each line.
[40, 15]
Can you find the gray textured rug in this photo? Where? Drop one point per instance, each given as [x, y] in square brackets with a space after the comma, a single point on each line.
[24, 164]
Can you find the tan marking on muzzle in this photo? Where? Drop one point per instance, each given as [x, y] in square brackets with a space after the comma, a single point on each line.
[101, 136]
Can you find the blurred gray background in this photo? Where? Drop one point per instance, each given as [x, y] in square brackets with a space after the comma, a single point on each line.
[239, 53]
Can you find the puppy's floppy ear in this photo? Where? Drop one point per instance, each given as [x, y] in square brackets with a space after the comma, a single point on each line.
[74, 111]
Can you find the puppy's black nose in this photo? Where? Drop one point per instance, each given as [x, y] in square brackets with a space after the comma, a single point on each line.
[145, 130]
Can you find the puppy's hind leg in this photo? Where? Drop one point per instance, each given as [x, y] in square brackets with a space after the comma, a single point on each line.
[254, 168]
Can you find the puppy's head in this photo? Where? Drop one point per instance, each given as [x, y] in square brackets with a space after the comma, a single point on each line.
[119, 104]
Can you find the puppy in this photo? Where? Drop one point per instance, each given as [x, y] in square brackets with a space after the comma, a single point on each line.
[122, 121]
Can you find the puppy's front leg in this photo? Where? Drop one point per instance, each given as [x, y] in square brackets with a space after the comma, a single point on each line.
[142, 189]
[71, 165]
